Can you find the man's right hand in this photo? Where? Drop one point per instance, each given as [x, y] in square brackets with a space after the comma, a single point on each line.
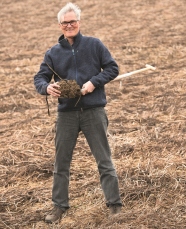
[52, 90]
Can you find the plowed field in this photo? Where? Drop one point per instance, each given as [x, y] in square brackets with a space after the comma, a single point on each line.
[147, 113]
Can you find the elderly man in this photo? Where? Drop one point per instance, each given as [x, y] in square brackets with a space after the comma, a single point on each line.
[86, 60]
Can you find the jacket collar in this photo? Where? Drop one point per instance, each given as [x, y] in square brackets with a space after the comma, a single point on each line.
[63, 41]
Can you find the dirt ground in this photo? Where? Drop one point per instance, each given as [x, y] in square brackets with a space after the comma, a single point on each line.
[147, 113]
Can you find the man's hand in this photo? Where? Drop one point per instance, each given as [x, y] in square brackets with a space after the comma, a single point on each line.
[88, 87]
[52, 89]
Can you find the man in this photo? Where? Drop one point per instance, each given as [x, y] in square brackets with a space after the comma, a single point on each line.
[89, 62]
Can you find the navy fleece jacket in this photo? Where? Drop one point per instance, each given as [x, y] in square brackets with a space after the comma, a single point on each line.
[87, 59]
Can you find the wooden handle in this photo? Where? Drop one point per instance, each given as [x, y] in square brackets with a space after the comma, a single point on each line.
[147, 67]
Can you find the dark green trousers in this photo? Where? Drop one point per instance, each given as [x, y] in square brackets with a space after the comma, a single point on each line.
[93, 123]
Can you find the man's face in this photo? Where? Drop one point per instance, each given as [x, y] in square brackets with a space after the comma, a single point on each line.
[69, 25]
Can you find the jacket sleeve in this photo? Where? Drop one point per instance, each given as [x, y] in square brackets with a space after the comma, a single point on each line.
[109, 66]
[43, 76]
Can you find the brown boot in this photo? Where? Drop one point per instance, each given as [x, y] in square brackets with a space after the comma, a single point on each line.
[115, 209]
[54, 215]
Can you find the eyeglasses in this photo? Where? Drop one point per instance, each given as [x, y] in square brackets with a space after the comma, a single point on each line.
[72, 23]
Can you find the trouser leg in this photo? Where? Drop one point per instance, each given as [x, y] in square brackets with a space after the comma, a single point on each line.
[94, 124]
[67, 129]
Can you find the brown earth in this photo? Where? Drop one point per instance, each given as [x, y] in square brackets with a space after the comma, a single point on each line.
[147, 114]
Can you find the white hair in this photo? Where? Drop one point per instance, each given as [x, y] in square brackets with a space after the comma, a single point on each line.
[68, 8]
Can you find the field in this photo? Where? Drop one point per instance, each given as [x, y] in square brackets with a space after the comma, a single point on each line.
[147, 117]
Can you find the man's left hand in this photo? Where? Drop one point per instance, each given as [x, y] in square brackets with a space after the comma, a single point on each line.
[87, 88]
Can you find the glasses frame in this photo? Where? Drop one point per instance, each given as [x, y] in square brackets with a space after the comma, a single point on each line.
[66, 23]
